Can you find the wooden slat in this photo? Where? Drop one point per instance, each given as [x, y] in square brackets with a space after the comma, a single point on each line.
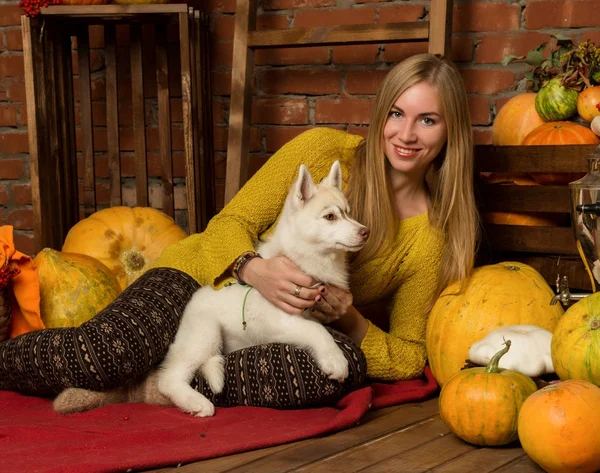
[483, 460]
[509, 198]
[522, 464]
[164, 120]
[67, 158]
[94, 11]
[440, 27]
[87, 126]
[335, 35]
[557, 240]
[112, 115]
[139, 118]
[188, 123]
[241, 99]
[523, 159]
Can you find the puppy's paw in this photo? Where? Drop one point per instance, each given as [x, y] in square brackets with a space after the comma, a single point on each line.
[334, 365]
[73, 400]
[197, 405]
[214, 373]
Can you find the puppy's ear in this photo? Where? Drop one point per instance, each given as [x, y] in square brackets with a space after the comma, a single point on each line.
[334, 178]
[304, 188]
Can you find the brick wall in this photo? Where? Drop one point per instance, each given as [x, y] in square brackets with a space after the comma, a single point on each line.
[300, 88]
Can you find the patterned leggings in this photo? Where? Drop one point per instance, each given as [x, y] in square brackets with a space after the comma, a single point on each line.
[132, 335]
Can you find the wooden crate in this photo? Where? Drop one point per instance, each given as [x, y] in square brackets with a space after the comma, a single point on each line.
[549, 249]
[52, 122]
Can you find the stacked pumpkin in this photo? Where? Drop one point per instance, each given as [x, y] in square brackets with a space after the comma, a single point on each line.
[101, 256]
[504, 310]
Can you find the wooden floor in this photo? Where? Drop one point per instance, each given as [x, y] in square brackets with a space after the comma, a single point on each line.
[409, 438]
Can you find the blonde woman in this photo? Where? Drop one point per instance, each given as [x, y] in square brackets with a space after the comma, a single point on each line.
[409, 181]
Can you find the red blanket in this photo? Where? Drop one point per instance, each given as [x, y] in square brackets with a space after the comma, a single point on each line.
[34, 439]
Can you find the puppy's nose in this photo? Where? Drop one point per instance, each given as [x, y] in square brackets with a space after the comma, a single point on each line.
[364, 233]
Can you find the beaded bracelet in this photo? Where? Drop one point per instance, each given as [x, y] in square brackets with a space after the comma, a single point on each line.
[240, 262]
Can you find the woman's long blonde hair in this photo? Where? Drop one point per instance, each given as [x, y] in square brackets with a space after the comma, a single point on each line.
[450, 178]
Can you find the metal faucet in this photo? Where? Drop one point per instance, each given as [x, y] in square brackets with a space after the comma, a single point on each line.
[564, 295]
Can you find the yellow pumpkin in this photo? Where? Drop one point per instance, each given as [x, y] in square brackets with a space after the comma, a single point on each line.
[508, 293]
[481, 405]
[575, 345]
[127, 240]
[559, 427]
[73, 287]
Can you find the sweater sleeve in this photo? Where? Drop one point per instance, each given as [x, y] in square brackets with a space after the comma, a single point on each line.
[207, 256]
[400, 354]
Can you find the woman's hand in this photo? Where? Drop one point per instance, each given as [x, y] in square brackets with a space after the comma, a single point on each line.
[281, 282]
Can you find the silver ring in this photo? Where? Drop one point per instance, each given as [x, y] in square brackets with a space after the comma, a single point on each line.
[297, 291]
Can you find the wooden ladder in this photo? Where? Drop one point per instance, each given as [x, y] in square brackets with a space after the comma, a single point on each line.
[437, 31]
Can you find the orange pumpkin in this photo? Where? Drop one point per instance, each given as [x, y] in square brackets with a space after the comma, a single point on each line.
[533, 219]
[561, 133]
[559, 427]
[576, 341]
[73, 287]
[85, 2]
[587, 103]
[515, 120]
[127, 240]
[508, 293]
[481, 405]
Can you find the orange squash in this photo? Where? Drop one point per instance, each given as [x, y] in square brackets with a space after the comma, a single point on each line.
[515, 120]
[73, 287]
[127, 240]
[588, 101]
[559, 427]
[576, 341]
[481, 405]
[561, 133]
[508, 293]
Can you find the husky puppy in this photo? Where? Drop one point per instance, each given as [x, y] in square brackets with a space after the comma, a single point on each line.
[315, 232]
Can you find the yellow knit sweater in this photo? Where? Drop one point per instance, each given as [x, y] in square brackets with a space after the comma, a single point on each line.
[406, 274]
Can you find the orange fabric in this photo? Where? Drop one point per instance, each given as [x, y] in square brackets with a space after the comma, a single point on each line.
[25, 297]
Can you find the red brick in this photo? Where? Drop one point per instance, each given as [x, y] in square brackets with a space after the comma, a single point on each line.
[21, 194]
[343, 111]
[221, 53]
[222, 27]
[561, 14]
[222, 6]
[8, 115]
[3, 46]
[591, 35]
[493, 47]
[24, 242]
[294, 4]
[12, 143]
[334, 17]
[96, 61]
[96, 33]
[11, 168]
[482, 136]
[359, 130]
[21, 219]
[487, 81]
[479, 108]
[22, 116]
[14, 40]
[461, 50]
[15, 87]
[357, 54]
[218, 113]
[364, 81]
[272, 22]
[220, 165]
[255, 163]
[3, 194]
[220, 138]
[220, 82]
[10, 15]
[293, 56]
[401, 13]
[276, 137]
[11, 66]
[176, 110]
[280, 111]
[98, 88]
[483, 16]
[305, 81]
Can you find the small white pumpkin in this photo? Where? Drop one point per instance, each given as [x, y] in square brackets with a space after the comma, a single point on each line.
[595, 125]
[529, 351]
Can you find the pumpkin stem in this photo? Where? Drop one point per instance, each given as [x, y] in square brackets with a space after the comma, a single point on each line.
[492, 366]
[595, 325]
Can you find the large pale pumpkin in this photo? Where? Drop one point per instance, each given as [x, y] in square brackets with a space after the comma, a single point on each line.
[559, 427]
[127, 240]
[576, 342]
[508, 293]
[481, 405]
[73, 287]
[515, 120]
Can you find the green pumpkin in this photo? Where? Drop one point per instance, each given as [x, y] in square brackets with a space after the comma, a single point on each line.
[556, 103]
